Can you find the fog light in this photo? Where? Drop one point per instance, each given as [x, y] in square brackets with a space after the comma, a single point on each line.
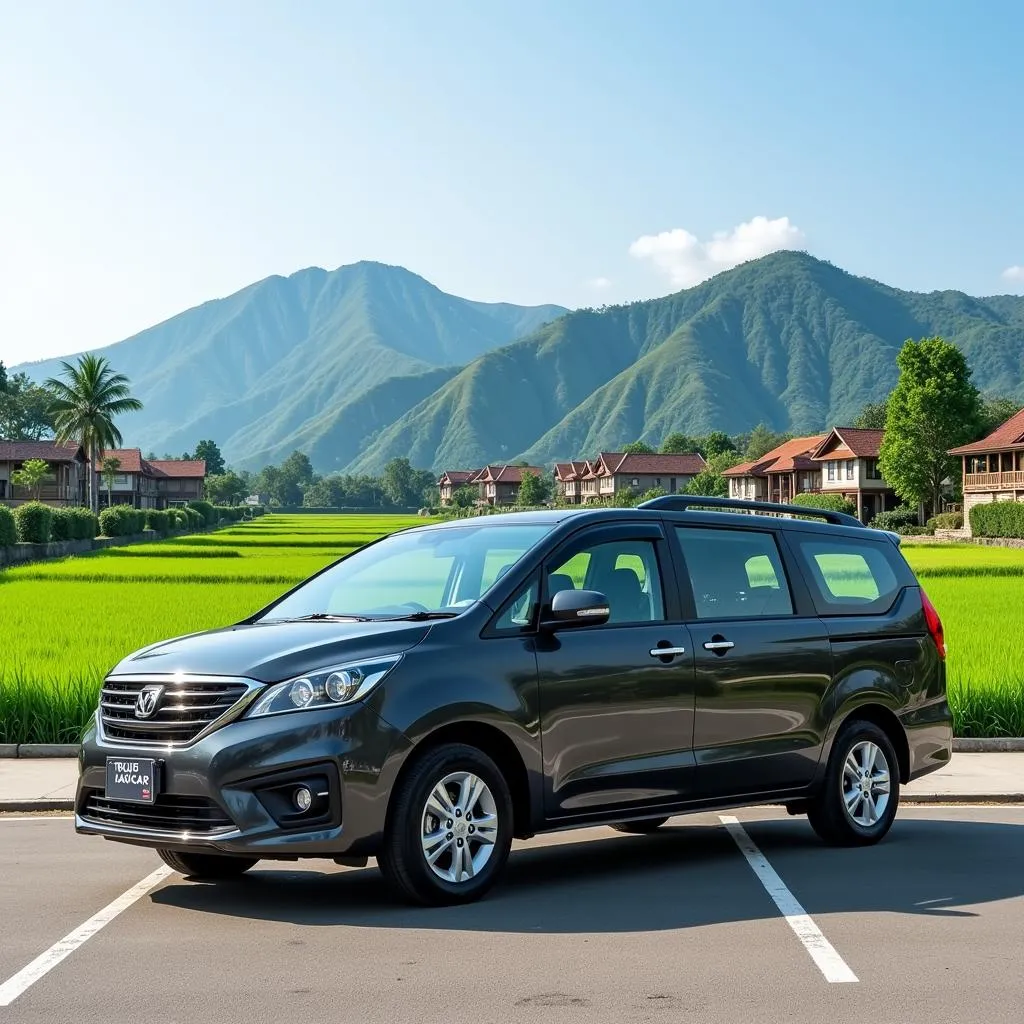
[303, 798]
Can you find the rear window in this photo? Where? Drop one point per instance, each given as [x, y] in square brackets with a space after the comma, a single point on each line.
[849, 577]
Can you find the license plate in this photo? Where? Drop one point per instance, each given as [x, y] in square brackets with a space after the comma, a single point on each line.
[132, 779]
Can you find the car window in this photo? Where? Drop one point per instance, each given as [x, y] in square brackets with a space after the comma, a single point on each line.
[625, 571]
[734, 573]
[519, 613]
[848, 576]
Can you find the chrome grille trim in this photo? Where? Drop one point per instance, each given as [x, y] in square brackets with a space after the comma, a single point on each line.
[178, 815]
[192, 706]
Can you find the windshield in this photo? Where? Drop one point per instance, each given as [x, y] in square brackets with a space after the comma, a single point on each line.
[416, 572]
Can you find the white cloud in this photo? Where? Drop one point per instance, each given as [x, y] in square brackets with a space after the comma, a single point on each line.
[1013, 274]
[599, 284]
[687, 261]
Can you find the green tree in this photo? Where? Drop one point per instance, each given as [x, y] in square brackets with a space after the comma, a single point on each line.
[225, 488]
[762, 440]
[465, 497]
[678, 444]
[111, 464]
[533, 490]
[709, 482]
[995, 412]
[31, 475]
[934, 407]
[24, 408]
[397, 481]
[210, 454]
[716, 443]
[872, 416]
[638, 448]
[84, 406]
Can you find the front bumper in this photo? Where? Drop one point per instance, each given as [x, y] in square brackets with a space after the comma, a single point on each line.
[227, 791]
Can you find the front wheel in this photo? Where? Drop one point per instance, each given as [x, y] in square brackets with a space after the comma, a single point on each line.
[207, 866]
[450, 829]
[857, 802]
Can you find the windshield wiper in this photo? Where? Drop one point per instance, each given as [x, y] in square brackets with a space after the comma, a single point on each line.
[420, 616]
[326, 617]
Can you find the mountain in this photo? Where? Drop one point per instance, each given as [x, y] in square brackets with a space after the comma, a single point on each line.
[320, 360]
[787, 340]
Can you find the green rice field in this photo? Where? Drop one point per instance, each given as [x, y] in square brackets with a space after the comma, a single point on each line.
[63, 624]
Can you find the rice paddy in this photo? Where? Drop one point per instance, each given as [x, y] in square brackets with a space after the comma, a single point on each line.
[64, 624]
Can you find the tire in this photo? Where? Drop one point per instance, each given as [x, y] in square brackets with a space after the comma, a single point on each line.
[207, 866]
[447, 772]
[640, 828]
[828, 811]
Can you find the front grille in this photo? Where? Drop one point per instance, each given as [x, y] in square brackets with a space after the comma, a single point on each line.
[185, 708]
[169, 813]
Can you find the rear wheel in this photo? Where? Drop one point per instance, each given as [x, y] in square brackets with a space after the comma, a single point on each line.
[207, 866]
[857, 802]
[640, 828]
[450, 830]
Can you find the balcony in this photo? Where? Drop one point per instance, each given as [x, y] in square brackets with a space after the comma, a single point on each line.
[994, 481]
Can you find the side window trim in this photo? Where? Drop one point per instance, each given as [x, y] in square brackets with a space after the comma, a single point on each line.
[492, 630]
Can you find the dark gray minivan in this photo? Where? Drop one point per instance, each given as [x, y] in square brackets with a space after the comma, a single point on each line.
[435, 694]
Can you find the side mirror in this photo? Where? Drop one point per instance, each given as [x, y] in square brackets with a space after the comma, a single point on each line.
[577, 608]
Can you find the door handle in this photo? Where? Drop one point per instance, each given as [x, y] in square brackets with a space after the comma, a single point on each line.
[719, 645]
[662, 652]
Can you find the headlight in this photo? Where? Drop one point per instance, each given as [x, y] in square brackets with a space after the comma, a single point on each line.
[329, 687]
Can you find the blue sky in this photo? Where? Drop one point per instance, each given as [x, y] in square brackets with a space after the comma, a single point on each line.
[158, 155]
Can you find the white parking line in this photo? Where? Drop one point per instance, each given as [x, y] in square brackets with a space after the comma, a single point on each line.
[829, 962]
[45, 962]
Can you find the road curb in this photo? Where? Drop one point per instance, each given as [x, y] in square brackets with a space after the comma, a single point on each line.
[1005, 745]
[28, 806]
[961, 798]
[48, 750]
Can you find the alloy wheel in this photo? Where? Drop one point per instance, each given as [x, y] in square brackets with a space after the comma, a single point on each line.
[459, 827]
[866, 783]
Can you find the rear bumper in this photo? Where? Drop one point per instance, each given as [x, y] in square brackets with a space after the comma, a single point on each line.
[229, 791]
[929, 731]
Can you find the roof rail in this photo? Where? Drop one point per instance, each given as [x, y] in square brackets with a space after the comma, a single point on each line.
[682, 502]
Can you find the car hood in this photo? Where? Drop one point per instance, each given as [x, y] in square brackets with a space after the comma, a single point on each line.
[272, 651]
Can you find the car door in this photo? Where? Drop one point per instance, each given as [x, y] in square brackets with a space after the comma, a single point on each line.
[762, 661]
[616, 700]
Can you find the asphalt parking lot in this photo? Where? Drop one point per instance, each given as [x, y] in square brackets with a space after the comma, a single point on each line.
[686, 925]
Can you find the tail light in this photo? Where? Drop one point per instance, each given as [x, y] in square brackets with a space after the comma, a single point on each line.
[931, 617]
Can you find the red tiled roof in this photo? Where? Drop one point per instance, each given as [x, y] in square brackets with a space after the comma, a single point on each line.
[457, 476]
[788, 456]
[177, 468]
[132, 462]
[862, 444]
[570, 470]
[1009, 434]
[686, 464]
[514, 474]
[130, 459]
[21, 451]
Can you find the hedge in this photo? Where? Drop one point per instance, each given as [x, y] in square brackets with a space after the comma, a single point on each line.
[229, 513]
[998, 519]
[33, 520]
[947, 521]
[8, 529]
[121, 521]
[86, 523]
[158, 520]
[62, 525]
[895, 520]
[205, 509]
[828, 502]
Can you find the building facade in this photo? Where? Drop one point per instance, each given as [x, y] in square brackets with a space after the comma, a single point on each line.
[150, 483]
[66, 482]
[993, 468]
[613, 474]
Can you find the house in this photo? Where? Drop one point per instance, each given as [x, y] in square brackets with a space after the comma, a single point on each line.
[849, 467]
[64, 485]
[779, 475]
[569, 480]
[451, 480]
[499, 485]
[994, 466]
[615, 473]
[150, 483]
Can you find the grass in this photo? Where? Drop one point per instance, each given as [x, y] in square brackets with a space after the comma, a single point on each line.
[64, 624]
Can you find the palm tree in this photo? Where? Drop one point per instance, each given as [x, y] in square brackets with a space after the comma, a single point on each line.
[84, 406]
